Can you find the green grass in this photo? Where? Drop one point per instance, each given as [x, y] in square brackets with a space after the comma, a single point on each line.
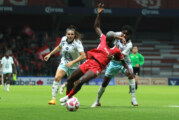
[30, 103]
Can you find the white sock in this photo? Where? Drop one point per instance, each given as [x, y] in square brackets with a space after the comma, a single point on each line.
[4, 86]
[100, 93]
[132, 87]
[8, 86]
[55, 89]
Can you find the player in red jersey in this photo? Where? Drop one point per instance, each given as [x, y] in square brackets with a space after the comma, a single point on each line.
[97, 59]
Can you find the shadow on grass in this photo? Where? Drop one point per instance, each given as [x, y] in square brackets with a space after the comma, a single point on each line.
[107, 107]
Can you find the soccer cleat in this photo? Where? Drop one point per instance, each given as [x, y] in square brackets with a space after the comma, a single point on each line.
[52, 102]
[62, 89]
[64, 99]
[63, 104]
[95, 104]
[134, 102]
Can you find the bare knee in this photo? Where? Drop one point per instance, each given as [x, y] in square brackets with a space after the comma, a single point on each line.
[58, 78]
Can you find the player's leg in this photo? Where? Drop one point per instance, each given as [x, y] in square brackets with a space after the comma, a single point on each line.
[64, 85]
[71, 79]
[9, 75]
[131, 85]
[101, 91]
[83, 79]
[60, 73]
[136, 81]
[111, 71]
[4, 81]
[137, 73]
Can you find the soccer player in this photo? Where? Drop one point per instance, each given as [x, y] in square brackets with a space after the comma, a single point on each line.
[97, 59]
[72, 53]
[125, 45]
[8, 67]
[137, 61]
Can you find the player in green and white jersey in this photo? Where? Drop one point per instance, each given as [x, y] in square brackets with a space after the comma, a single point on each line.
[72, 52]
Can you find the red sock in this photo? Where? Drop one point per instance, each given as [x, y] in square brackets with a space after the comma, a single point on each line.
[71, 93]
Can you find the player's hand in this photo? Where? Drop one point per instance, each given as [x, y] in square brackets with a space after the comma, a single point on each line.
[47, 57]
[137, 65]
[69, 64]
[110, 56]
[100, 7]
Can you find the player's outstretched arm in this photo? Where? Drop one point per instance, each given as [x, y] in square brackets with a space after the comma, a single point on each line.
[98, 18]
[58, 48]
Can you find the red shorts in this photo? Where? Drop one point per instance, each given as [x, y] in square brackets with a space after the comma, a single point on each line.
[92, 65]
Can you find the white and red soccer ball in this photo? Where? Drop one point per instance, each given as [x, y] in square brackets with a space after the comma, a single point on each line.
[72, 104]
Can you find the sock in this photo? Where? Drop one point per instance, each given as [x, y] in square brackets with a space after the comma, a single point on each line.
[67, 92]
[100, 93]
[55, 89]
[136, 86]
[8, 86]
[4, 86]
[132, 87]
[71, 93]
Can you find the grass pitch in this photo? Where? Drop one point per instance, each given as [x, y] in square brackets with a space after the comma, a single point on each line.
[30, 103]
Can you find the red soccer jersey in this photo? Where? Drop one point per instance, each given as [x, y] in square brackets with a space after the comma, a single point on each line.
[101, 53]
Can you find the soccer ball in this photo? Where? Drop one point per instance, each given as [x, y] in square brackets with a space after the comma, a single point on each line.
[72, 104]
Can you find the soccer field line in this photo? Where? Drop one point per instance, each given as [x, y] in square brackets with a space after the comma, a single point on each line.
[173, 106]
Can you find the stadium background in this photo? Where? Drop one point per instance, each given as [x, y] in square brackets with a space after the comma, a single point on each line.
[31, 28]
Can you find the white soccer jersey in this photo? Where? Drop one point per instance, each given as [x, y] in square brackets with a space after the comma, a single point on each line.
[125, 49]
[7, 64]
[70, 51]
[0, 69]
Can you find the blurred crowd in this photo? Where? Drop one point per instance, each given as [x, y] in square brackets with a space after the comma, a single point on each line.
[27, 48]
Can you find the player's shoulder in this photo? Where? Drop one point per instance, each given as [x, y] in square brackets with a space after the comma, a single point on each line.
[77, 41]
[3, 58]
[10, 58]
[63, 39]
[102, 35]
[139, 54]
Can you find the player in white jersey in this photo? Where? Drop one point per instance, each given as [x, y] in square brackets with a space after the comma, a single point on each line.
[125, 45]
[72, 53]
[8, 68]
